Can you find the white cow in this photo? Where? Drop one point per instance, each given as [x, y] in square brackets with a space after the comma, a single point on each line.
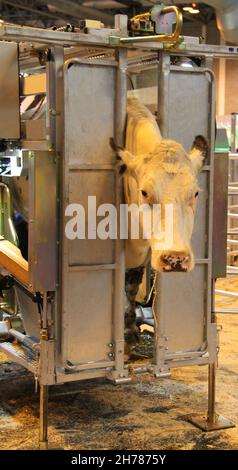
[158, 171]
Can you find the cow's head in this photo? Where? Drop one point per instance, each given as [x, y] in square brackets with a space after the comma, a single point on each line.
[168, 175]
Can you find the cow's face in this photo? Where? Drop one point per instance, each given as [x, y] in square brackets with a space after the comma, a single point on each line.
[168, 176]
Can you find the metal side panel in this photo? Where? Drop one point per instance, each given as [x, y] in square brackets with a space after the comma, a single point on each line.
[183, 297]
[9, 91]
[90, 122]
[188, 99]
[200, 233]
[88, 264]
[219, 242]
[89, 317]
[186, 109]
[99, 183]
[42, 221]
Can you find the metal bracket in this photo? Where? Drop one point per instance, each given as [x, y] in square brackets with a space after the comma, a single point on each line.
[202, 422]
[119, 379]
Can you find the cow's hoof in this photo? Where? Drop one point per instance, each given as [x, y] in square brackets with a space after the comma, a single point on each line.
[131, 336]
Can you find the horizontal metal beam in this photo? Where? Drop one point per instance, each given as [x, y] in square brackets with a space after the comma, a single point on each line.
[11, 32]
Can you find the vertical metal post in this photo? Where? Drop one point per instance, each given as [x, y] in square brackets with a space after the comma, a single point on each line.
[233, 132]
[119, 278]
[159, 367]
[43, 441]
[120, 374]
[163, 94]
[211, 415]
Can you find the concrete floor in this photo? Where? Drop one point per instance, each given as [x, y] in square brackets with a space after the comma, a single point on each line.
[147, 414]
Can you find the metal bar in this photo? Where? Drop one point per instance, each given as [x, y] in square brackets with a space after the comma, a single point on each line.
[187, 354]
[43, 440]
[87, 167]
[27, 340]
[233, 155]
[234, 216]
[119, 277]
[233, 268]
[226, 311]
[92, 267]
[88, 366]
[62, 377]
[233, 132]
[45, 36]
[211, 415]
[226, 293]
[163, 93]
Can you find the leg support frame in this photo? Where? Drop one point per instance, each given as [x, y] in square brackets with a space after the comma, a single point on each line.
[211, 421]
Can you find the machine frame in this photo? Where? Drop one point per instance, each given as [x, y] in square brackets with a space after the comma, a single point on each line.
[49, 166]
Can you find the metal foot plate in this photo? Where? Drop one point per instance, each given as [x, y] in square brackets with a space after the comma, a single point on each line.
[201, 422]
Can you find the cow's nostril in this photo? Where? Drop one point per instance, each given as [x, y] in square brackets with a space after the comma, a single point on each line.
[175, 261]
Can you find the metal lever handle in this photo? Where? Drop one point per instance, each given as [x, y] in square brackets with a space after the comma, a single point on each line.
[167, 38]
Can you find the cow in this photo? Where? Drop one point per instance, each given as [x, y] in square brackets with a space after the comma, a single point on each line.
[157, 171]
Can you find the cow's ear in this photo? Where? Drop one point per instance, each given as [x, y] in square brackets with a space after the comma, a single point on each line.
[198, 152]
[127, 162]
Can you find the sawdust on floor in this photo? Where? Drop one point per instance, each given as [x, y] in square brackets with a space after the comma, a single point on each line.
[146, 414]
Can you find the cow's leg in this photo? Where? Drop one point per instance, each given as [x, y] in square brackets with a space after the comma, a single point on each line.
[133, 279]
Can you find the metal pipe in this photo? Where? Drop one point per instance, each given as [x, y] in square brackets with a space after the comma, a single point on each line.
[226, 311]
[24, 339]
[43, 441]
[233, 132]
[233, 268]
[226, 293]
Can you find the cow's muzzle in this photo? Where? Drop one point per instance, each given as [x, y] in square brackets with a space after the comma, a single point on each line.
[175, 261]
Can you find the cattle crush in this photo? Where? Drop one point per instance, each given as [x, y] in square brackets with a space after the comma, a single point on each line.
[63, 312]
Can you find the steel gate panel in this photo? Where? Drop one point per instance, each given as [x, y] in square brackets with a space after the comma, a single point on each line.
[82, 184]
[90, 332]
[188, 105]
[88, 264]
[183, 297]
[186, 100]
[90, 122]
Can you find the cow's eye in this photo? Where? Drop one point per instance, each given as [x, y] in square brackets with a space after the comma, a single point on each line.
[144, 193]
[196, 194]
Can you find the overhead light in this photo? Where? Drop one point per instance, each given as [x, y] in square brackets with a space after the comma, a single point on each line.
[192, 9]
[186, 62]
